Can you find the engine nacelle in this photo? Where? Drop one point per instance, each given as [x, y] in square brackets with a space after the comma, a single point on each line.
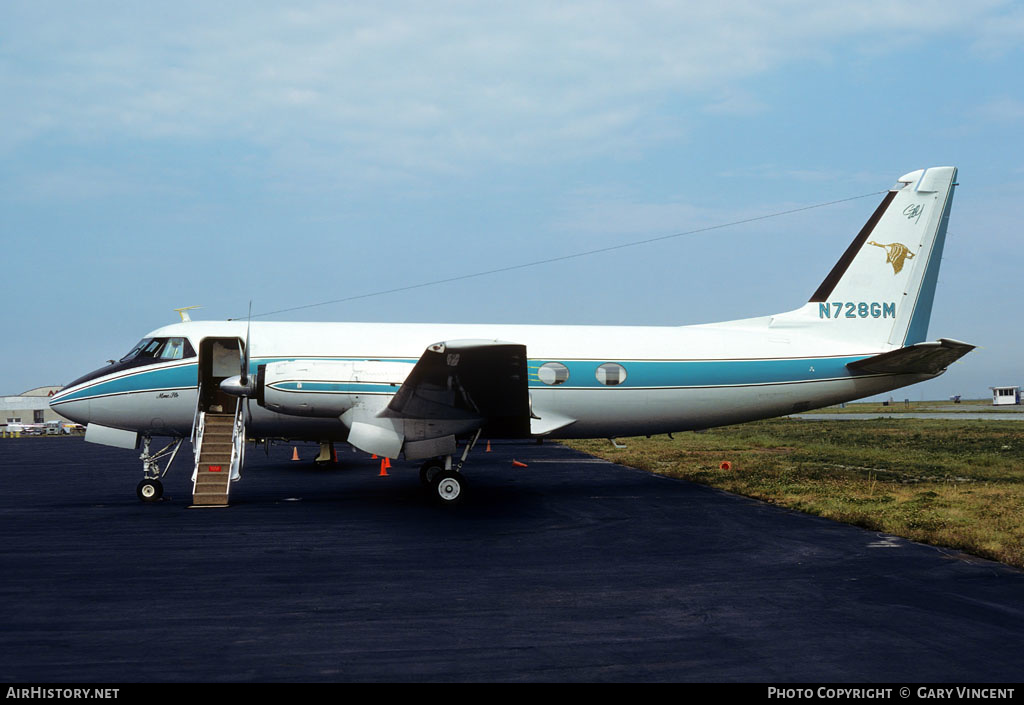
[326, 388]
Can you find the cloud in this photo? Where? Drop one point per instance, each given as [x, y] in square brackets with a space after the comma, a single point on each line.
[735, 103]
[405, 87]
[1000, 33]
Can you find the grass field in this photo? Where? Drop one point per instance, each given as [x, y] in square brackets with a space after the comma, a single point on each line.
[973, 406]
[958, 484]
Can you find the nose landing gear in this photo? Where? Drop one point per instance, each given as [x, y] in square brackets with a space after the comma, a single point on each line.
[151, 489]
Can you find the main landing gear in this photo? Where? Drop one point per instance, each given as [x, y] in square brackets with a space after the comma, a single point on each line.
[443, 479]
[445, 484]
[151, 489]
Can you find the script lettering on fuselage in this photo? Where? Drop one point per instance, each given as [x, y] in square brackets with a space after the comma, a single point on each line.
[857, 309]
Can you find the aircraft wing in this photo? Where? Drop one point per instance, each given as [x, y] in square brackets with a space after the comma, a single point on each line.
[922, 358]
[463, 379]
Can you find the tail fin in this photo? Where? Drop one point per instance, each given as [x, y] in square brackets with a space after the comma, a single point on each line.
[881, 290]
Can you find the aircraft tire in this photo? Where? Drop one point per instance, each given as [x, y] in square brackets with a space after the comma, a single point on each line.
[429, 472]
[449, 487]
[150, 490]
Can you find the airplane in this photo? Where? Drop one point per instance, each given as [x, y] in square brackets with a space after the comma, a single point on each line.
[423, 391]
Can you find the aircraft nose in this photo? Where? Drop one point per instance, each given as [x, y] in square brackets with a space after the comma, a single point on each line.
[76, 410]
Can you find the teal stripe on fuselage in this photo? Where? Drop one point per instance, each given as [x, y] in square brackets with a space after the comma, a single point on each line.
[335, 387]
[639, 374]
[701, 373]
[145, 379]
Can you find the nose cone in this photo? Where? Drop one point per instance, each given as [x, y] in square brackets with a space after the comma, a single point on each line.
[66, 405]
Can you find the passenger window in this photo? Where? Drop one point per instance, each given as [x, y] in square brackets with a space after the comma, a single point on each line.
[553, 373]
[611, 373]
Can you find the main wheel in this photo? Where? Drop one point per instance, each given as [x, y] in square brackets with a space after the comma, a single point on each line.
[429, 472]
[449, 487]
[150, 490]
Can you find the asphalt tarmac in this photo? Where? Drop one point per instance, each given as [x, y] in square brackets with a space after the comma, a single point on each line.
[569, 569]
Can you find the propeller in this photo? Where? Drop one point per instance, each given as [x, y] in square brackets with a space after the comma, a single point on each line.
[244, 376]
[241, 385]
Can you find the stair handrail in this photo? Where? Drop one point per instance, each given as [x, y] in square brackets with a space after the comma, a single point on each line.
[197, 444]
[198, 426]
[196, 417]
[238, 441]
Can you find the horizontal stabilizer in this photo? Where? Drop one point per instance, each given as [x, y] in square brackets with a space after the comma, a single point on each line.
[923, 358]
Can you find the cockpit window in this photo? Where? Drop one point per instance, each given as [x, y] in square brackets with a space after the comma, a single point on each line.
[174, 349]
[160, 349]
[149, 351]
[135, 351]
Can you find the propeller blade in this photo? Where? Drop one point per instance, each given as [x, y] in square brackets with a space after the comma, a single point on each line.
[244, 376]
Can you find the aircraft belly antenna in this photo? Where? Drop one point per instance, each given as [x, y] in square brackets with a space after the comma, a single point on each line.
[183, 312]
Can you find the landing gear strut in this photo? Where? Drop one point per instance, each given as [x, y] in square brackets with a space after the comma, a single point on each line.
[327, 455]
[151, 489]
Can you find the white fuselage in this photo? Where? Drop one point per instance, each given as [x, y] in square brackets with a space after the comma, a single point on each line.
[669, 378]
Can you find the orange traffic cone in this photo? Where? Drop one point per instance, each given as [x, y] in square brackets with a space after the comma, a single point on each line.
[488, 447]
[384, 465]
[518, 464]
[295, 453]
[373, 457]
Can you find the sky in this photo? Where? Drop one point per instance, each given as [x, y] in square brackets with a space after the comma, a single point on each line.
[160, 155]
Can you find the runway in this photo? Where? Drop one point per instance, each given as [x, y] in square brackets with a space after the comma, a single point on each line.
[570, 569]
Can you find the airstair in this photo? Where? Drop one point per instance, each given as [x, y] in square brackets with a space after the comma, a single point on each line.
[218, 440]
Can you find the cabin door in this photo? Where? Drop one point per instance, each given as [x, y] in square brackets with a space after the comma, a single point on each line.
[219, 358]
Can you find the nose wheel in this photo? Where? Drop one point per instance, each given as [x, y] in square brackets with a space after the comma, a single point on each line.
[150, 490]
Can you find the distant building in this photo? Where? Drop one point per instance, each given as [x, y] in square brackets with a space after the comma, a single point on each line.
[1005, 395]
[32, 407]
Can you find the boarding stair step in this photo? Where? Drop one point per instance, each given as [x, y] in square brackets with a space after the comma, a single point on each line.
[210, 499]
[212, 485]
[210, 476]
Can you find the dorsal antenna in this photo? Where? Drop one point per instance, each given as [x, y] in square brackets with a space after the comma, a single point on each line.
[183, 312]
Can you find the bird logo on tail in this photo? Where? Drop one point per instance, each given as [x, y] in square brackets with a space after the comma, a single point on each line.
[896, 254]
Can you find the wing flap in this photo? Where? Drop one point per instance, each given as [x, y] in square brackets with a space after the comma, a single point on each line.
[922, 358]
[466, 379]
